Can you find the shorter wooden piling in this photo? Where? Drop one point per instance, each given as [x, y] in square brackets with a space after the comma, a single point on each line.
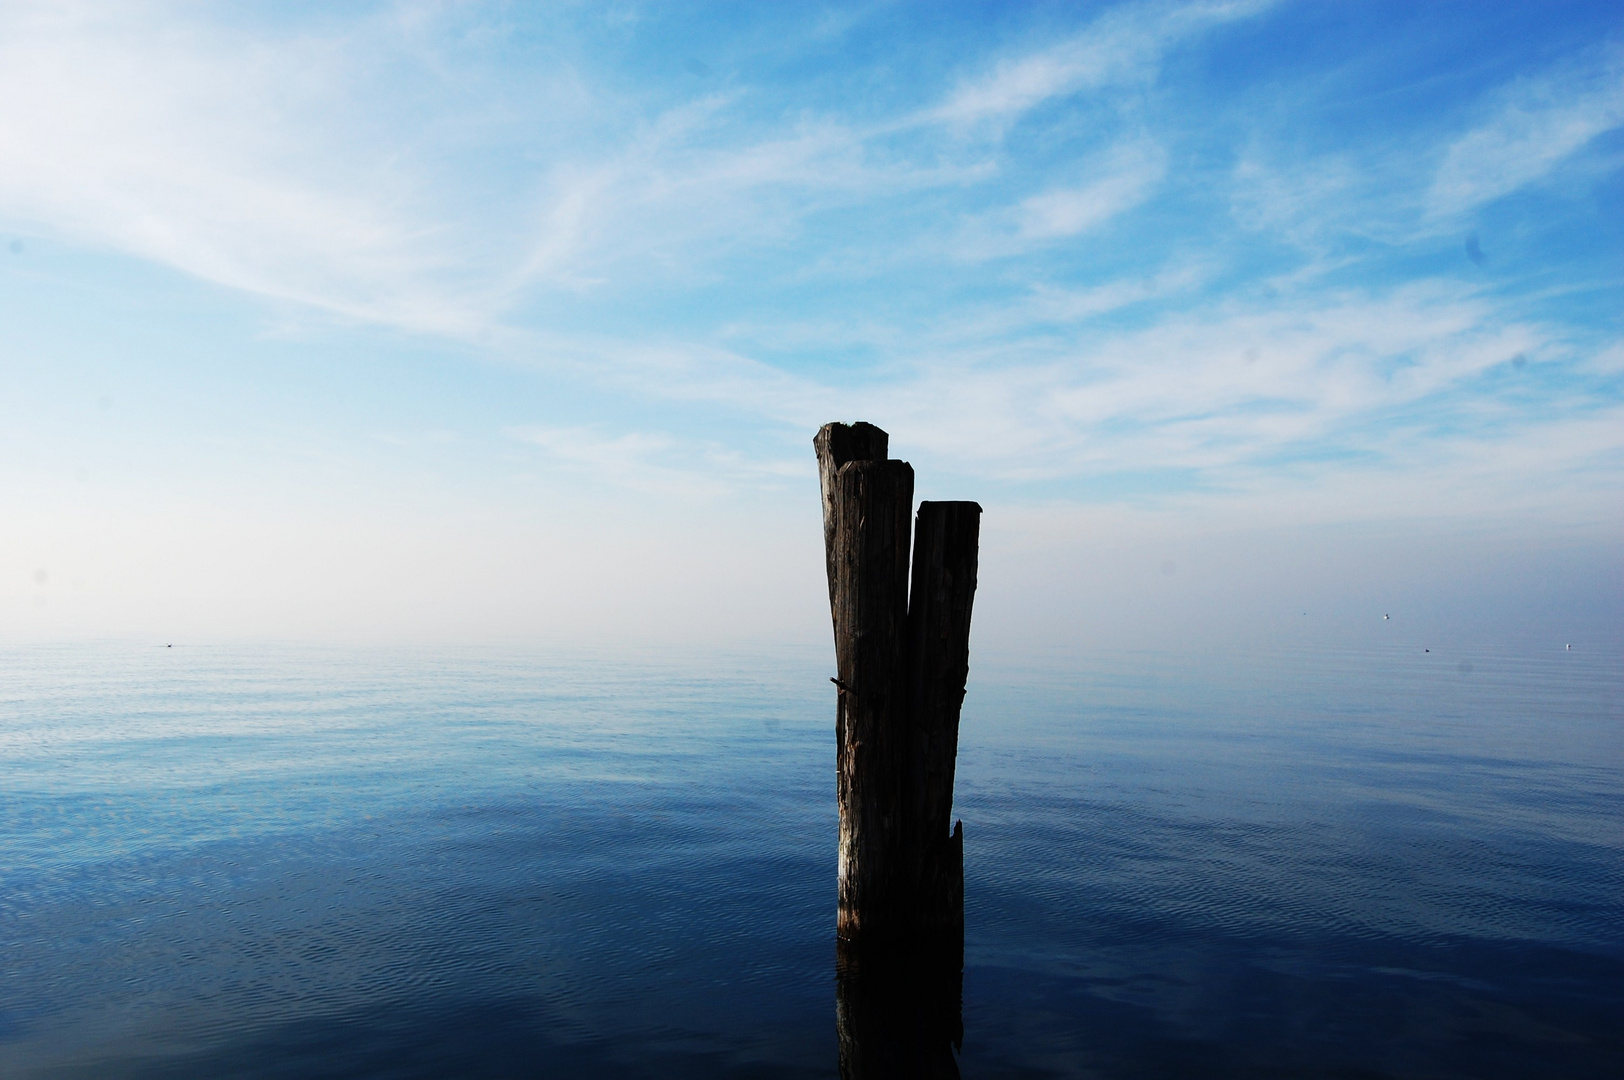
[946, 543]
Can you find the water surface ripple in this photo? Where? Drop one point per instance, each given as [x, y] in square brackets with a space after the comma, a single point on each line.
[1362, 861]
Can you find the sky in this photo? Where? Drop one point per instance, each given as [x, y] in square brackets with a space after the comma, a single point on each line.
[456, 321]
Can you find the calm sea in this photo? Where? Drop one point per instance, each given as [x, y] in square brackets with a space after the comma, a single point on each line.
[1354, 861]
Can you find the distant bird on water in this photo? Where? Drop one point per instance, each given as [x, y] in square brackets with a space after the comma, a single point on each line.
[1387, 616]
[1567, 646]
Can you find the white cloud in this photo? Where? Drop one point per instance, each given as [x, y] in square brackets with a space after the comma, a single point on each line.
[1129, 175]
[1304, 200]
[1115, 182]
[302, 165]
[1056, 305]
[345, 168]
[220, 154]
[231, 156]
[1276, 392]
[1122, 45]
[692, 189]
[1219, 390]
[1539, 124]
[1412, 185]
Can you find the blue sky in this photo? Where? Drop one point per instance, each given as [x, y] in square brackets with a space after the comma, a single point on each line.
[467, 319]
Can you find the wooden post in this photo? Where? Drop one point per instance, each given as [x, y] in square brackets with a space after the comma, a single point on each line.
[902, 666]
[946, 540]
[873, 500]
[897, 1017]
[837, 444]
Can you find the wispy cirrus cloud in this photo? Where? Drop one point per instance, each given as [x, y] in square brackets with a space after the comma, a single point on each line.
[1234, 396]
[1051, 286]
[1122, 45]
[1103, 188]
[175, 134]
[1239, 388]
[1127, 178]
[217, 151]
[1415, 183]
[1538, 123]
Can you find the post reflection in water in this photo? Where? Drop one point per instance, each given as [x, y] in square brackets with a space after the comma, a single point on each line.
[899, 1013]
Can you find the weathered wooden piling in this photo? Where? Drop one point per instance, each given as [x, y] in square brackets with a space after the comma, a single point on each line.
[946, 541]
[898, 1017]
[902, 661]
[835, 445]
[872, 504]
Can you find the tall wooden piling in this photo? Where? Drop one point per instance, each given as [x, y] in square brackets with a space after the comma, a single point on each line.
[836, 444]
[872, 504]
[902, 663]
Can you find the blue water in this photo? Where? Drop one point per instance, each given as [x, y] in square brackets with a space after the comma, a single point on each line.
[1355, 861]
